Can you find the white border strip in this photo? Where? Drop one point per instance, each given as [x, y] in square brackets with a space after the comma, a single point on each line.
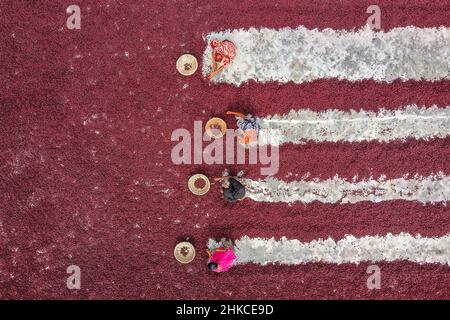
[350, 249]
[431, 189]
[302, 55]
[300, 126]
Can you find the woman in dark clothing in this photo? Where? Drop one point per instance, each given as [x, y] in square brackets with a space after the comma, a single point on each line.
[232, 189]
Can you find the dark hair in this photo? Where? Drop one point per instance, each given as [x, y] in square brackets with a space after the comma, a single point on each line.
[212, 266]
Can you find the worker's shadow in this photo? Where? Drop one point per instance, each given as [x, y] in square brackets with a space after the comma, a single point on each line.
[186, 237]
[216, 233]
[222, 231]
[243, 106]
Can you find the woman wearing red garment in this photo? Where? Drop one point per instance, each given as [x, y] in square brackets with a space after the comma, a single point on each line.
[223, 52]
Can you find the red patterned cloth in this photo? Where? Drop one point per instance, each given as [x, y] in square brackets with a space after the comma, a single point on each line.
[223, 52]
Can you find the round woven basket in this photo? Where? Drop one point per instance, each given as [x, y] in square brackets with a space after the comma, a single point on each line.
[187, 64]
[184, 252]
[216, 128]
[199, 191]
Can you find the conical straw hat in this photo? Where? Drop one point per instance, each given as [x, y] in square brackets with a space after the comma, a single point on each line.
[184, 252]
[216, 128]
[194, 189]
[187, 64]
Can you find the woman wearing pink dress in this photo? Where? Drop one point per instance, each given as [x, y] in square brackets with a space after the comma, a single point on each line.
[222, 259]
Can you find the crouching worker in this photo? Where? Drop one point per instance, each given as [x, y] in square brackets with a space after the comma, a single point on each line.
[222, 258]
[232, 189]
[248, 128]
[223, 52]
